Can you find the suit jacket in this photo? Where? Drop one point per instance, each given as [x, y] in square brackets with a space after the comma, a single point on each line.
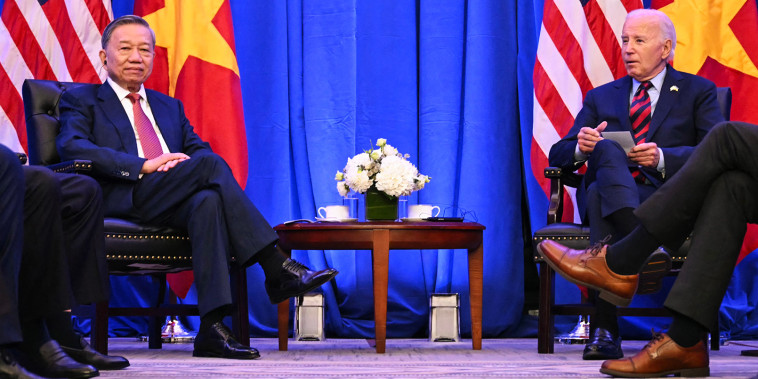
[94, 126]
[681, 119]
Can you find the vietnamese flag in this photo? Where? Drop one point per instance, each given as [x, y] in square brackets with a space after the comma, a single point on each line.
[196, 63]
[716, 40]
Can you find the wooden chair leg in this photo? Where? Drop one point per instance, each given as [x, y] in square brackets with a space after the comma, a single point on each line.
[240, 319]
[546, 318]
[99, 338]
[154, 338]
[715, 335]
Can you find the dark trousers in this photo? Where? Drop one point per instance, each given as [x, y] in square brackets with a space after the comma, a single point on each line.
[713, 196]
[64, 258]
[201, 196]
[11, 239]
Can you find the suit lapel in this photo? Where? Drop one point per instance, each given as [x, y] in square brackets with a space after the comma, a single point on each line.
[621, 101]
[666, 101]
[112, 108]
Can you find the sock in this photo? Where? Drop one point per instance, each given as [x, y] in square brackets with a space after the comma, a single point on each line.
[61, 330]
[214, 316]
[271, 260]
[685, 331]
[605, 317]
[623, 221]
[35, 334]
[627, 255]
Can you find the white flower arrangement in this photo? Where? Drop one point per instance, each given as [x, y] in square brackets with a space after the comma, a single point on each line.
[384, 168]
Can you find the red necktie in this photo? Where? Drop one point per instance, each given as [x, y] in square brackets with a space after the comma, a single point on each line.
[151, 145]
[639, 115]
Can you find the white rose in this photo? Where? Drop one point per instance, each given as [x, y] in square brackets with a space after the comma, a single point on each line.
[381, 142]
[376, 154]
[343, 189]
[389, 150]
[339, 176]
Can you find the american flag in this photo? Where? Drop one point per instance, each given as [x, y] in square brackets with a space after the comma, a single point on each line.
[579, 49]
[53, 40]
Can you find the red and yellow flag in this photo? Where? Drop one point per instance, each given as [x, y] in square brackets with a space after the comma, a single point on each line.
[716, 40]
[196, 63]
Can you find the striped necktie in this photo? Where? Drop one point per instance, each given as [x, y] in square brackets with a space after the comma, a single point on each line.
[151, 145]
[639, 113]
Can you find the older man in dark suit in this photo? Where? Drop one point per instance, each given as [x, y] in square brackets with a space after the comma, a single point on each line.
[667, 112]
[154, 168]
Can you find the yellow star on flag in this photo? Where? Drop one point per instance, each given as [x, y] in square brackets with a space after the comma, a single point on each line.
[702, 30]
[186, 28]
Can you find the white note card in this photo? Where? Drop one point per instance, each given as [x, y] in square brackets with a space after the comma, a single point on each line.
[623, 138]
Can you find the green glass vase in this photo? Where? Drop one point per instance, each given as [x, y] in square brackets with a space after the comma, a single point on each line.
[380, 206]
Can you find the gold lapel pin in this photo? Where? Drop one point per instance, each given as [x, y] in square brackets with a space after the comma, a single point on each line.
[674, 88]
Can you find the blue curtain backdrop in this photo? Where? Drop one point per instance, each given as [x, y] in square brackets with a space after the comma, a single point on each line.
[322, 80]
[447, 81]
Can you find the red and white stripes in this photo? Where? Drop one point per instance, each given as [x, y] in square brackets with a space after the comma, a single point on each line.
[579, 48]
[59, 40]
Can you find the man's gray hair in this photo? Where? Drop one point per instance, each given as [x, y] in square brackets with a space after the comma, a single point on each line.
[665, 25]
[124, 20]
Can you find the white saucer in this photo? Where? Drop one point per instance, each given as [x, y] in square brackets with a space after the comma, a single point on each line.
[336, 219]
[409, 219]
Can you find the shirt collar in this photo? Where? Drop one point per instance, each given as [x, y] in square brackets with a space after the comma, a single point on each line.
[121, 92]
[656, 81]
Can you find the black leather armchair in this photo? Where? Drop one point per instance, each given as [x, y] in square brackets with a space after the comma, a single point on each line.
[130, 248]
[577, 236]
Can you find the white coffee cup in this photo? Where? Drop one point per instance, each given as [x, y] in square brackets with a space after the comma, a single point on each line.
[335, 212]
[423, 211]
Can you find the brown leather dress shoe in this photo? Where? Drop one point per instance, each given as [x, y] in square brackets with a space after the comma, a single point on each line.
[588, 268]
[661, 357]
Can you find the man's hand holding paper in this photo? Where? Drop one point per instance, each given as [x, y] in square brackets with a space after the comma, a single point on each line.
[645, 154]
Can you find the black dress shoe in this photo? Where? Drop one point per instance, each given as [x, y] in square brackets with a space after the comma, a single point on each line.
[602, 346]
[296, 279]
[217, 341]
[53, 362]
[90, 356]
[10, 368]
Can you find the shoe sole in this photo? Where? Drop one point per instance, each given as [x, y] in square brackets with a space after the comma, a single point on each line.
[688, 372]
[595, 356]
[603, 294]
[655, 268]
[211, 355]
[313, 286]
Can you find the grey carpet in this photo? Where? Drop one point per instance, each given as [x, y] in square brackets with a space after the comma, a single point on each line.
[405, 358]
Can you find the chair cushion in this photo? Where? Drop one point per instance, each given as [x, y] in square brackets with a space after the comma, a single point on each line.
[143, 249]
[574, 236]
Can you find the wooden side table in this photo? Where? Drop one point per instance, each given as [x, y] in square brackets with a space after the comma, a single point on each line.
[380, 237]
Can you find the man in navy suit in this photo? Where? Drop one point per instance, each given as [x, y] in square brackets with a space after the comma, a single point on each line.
[667, 111]
[154, 168]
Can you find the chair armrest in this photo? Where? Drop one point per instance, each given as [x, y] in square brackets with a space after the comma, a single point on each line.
[75, 166]
[558, 179]
[555, 208]
[22, 158]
